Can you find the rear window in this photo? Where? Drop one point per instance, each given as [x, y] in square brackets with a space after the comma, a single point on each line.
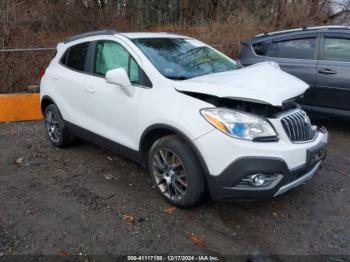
[295, 49]
[75, 56]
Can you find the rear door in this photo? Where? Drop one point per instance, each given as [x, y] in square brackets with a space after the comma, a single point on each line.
[333, 72]
[70, 83]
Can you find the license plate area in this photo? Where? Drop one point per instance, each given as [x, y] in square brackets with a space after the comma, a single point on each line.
[316, 154]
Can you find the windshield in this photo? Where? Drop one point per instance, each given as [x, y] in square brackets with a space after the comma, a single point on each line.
[179, 58]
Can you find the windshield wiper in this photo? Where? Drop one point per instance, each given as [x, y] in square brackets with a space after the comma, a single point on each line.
[177, 77]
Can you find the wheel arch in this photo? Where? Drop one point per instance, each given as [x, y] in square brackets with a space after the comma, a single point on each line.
[156, 131]
[45, 101]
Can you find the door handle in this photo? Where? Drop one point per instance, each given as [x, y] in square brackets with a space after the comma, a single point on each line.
[90, 89]
[55, 77]
[327, 71]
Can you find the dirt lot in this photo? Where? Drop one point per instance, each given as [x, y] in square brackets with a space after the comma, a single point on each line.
[90, 201]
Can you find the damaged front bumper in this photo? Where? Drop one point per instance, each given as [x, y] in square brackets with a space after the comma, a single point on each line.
[237, 180]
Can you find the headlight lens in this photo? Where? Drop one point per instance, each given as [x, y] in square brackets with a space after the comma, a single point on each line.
[239, 124]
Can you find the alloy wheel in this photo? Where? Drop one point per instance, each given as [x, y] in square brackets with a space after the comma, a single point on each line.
[52, 127]
[169, 174]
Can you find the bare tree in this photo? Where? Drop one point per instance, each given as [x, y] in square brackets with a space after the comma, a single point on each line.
[223, 23]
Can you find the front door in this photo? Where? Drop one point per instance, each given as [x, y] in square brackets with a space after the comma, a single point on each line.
[333, 72]
[111, 112]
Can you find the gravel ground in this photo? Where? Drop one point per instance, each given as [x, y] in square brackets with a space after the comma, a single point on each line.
[85, 200]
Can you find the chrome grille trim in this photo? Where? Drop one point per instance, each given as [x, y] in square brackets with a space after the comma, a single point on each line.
[298, 127]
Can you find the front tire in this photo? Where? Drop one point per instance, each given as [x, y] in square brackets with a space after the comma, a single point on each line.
[176, 172]
[57, 132]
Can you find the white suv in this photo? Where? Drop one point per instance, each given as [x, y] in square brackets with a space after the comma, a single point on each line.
[200, 123]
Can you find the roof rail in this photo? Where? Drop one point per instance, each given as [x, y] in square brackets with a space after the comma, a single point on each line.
[329, 27]
[94, 33]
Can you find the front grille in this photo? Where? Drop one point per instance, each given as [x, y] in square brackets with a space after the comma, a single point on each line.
[298, 126]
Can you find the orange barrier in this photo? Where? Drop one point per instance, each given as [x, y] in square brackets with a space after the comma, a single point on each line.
[20, 107]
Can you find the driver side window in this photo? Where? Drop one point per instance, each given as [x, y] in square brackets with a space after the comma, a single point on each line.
[111, 55]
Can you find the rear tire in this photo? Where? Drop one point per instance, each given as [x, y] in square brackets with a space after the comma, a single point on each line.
[176, 172]
[57, 131]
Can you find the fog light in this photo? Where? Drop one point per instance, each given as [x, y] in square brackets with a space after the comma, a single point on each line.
[258, 180]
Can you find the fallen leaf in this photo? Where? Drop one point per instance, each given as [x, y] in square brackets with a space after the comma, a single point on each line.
[277, 215]
[277, 204]
[129, 218]
[19, 160]
[109, 177]
[63, 253]
[169, 210]
[197, 240]
[188, 216]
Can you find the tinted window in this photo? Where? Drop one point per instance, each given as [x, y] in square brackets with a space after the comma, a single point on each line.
[77, 56]
[337, 49]
[297, 48]
[64, 57]
[111, 55]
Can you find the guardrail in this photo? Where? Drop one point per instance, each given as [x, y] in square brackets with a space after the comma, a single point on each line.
[27, 49]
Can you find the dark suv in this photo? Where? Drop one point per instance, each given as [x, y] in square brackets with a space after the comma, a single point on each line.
[318, 55]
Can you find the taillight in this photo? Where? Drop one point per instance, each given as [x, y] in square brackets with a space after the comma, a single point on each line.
[41, 73]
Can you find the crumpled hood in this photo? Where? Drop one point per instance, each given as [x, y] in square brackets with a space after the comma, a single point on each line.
[263, 82]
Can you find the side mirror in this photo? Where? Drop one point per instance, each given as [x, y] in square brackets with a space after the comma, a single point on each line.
[120, 78]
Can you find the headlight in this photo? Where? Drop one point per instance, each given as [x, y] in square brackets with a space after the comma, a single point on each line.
[239, 124]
